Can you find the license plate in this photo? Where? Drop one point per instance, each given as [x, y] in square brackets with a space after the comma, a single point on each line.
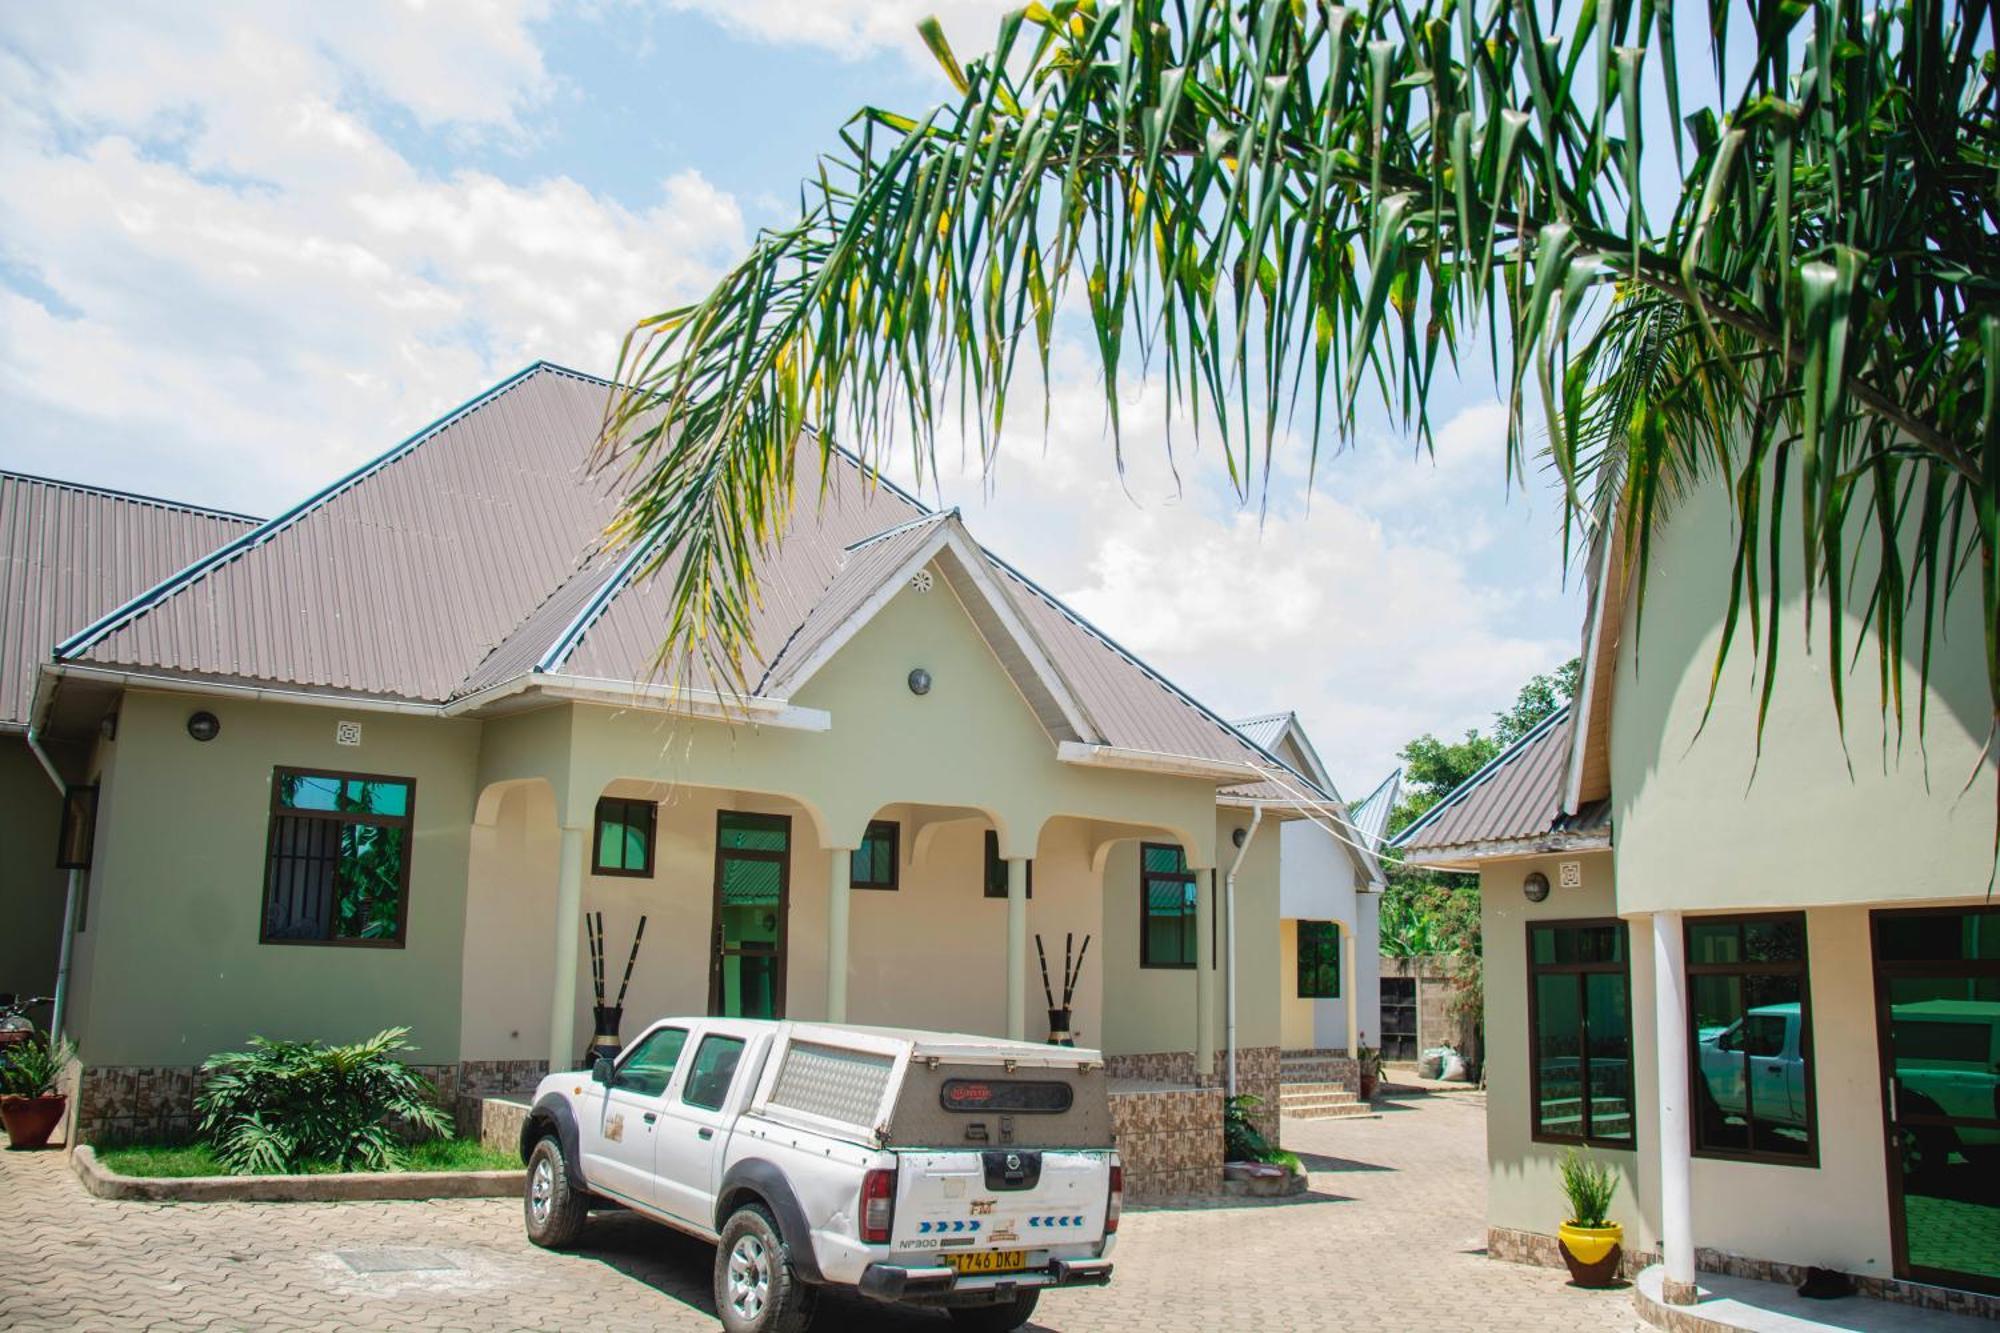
[989, 1261]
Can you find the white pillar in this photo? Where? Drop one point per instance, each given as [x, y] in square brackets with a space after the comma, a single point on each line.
[1350, 988]
[1204, 973]
[1017, 948]
[569, 911]
[840, 891]
[1675, 1133]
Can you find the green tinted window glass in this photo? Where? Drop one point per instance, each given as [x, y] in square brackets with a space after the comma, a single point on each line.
[996, 869]
[873, 865]
[1319, 960]
[755, 833]
[625, 836]
[1608, 1030]
[369, 882]
[1558, 1055]
[750, 883]
[1581, 1031]
[1715, 942]
[1940, 937]
[335, 793]
[713, 1070]
[1752, 1053]
[1167, 904]
[650, 1066]
[1170, 860]
[337, 858]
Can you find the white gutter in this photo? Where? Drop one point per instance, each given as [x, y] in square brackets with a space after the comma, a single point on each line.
[70, 896]
[1229, 909]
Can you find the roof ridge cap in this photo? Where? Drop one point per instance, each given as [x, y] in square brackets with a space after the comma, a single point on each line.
[131, 610]
[130, 497]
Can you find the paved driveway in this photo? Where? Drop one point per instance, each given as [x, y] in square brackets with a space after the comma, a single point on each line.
[1388, 1239]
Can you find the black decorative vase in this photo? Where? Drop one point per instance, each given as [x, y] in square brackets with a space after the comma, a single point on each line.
[604, 1043]
[1059, 1028]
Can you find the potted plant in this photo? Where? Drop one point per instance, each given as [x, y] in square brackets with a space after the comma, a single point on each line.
[1589, 1240]
[30, 1106]
[1368, 1064]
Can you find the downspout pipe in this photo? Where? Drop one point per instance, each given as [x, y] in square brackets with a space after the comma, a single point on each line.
[1229, 908]
[70, 897]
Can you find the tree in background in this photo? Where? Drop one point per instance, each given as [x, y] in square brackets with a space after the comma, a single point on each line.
[1435, 913]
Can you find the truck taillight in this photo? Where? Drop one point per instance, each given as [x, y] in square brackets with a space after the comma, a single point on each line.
[1117, 1204]
[878, 1206]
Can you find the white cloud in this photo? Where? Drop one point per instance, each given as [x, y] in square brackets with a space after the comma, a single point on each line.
[229, 282]
[856, 28]
[1386, 607]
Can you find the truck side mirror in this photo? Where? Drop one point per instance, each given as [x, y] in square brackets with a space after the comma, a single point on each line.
[600, 1071]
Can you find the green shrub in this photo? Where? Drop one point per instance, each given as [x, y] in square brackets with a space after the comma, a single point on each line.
[290, 1106]
[1588, 1185]
[34, 1068]
[1242, 1141]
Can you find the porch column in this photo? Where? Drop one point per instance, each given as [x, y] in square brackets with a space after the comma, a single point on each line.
[569, 911]
[1017, 948]
[1204, 973]
[1671, 1054]
[1350, 987]
[840, 890]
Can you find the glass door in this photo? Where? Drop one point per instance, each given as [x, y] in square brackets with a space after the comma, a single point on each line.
[1937, 991]
[753, 875]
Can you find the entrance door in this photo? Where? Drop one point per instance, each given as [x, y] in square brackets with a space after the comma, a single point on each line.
[1937, 991]
[753, 891]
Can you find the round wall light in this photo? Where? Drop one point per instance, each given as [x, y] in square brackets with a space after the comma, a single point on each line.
[1535, 887]
[204, 726]
[1238, 837]
[920, 681]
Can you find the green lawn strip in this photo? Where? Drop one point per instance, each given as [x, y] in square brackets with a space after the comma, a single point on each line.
[177, 1160]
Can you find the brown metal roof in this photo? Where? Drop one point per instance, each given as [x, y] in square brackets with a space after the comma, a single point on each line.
[471, 554]
[1516, 796]
[70, 553]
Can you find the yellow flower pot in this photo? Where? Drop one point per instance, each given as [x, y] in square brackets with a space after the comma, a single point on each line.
[1592, 1253]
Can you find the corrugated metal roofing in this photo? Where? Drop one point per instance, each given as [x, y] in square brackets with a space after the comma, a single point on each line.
[470, 553]
[1518, 794]
[70, 553]
[1371, 813]
[862, 570]
[1263, 730]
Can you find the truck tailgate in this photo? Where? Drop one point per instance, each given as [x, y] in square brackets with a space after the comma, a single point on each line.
[1000, 1199]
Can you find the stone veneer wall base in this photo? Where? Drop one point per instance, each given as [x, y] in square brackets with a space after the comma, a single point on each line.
[1529, 1247]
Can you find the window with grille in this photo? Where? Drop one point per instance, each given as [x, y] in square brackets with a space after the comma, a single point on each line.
[1167, 899]
[337, 864]
[1319, 960]
[624, 837]
[874, 861]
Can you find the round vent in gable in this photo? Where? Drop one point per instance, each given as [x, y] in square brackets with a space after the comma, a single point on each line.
[921, 580]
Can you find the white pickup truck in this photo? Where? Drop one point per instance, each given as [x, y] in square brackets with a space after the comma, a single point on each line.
[933, 1168]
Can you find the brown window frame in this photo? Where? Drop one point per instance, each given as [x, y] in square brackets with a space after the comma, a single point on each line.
[885, 830]
[783, 860]
[993, 869]
[626, 805]
[278, 810]
[1186, 876]
[1803, 969]
[1622, 968]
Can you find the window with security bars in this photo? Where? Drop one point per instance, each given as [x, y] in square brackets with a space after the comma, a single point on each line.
[996, 869]
[624, 837]
[337, 862]
[1319, 960]
[1167, 902]
[874, 861]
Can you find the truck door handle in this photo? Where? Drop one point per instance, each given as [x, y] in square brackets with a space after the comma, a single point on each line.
[651, 1116]
[705, 1132]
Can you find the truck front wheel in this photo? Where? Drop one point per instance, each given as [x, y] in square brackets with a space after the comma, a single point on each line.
[553, 1206]
[1001, 1318]
[757, 1289]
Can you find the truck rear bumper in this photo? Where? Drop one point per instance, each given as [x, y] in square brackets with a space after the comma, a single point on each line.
[896, 1282]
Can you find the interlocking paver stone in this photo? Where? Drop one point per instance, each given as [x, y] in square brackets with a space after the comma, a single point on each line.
[1389, 1238]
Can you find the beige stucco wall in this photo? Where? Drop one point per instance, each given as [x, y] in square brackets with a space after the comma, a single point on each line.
[1695, 829]
[1523, 1189]
[31, 888]
[176, 971]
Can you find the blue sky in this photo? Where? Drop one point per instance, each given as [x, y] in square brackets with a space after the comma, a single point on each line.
[245, 246]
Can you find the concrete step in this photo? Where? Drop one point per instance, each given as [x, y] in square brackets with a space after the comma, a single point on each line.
[1318, 1099]
[1315, 1089]
[1331, 1111]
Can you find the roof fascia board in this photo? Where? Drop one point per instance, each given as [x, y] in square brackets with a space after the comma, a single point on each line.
[1486, 770]
[1087, 755]
[90, 635]
[973, 559]
[146, 680]
[757, 710]
[1473, 854]
[1593, 639]
[1296, 730]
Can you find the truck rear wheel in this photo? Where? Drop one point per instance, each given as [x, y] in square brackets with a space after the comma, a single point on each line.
[757, 1289]
[553, 1206]
[1001, 1318]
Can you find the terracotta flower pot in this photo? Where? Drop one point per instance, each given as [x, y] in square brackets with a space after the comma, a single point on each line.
[1592, 1253]
[31, 1120]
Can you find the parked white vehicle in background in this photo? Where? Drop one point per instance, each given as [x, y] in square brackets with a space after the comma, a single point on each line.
[931, 1168]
